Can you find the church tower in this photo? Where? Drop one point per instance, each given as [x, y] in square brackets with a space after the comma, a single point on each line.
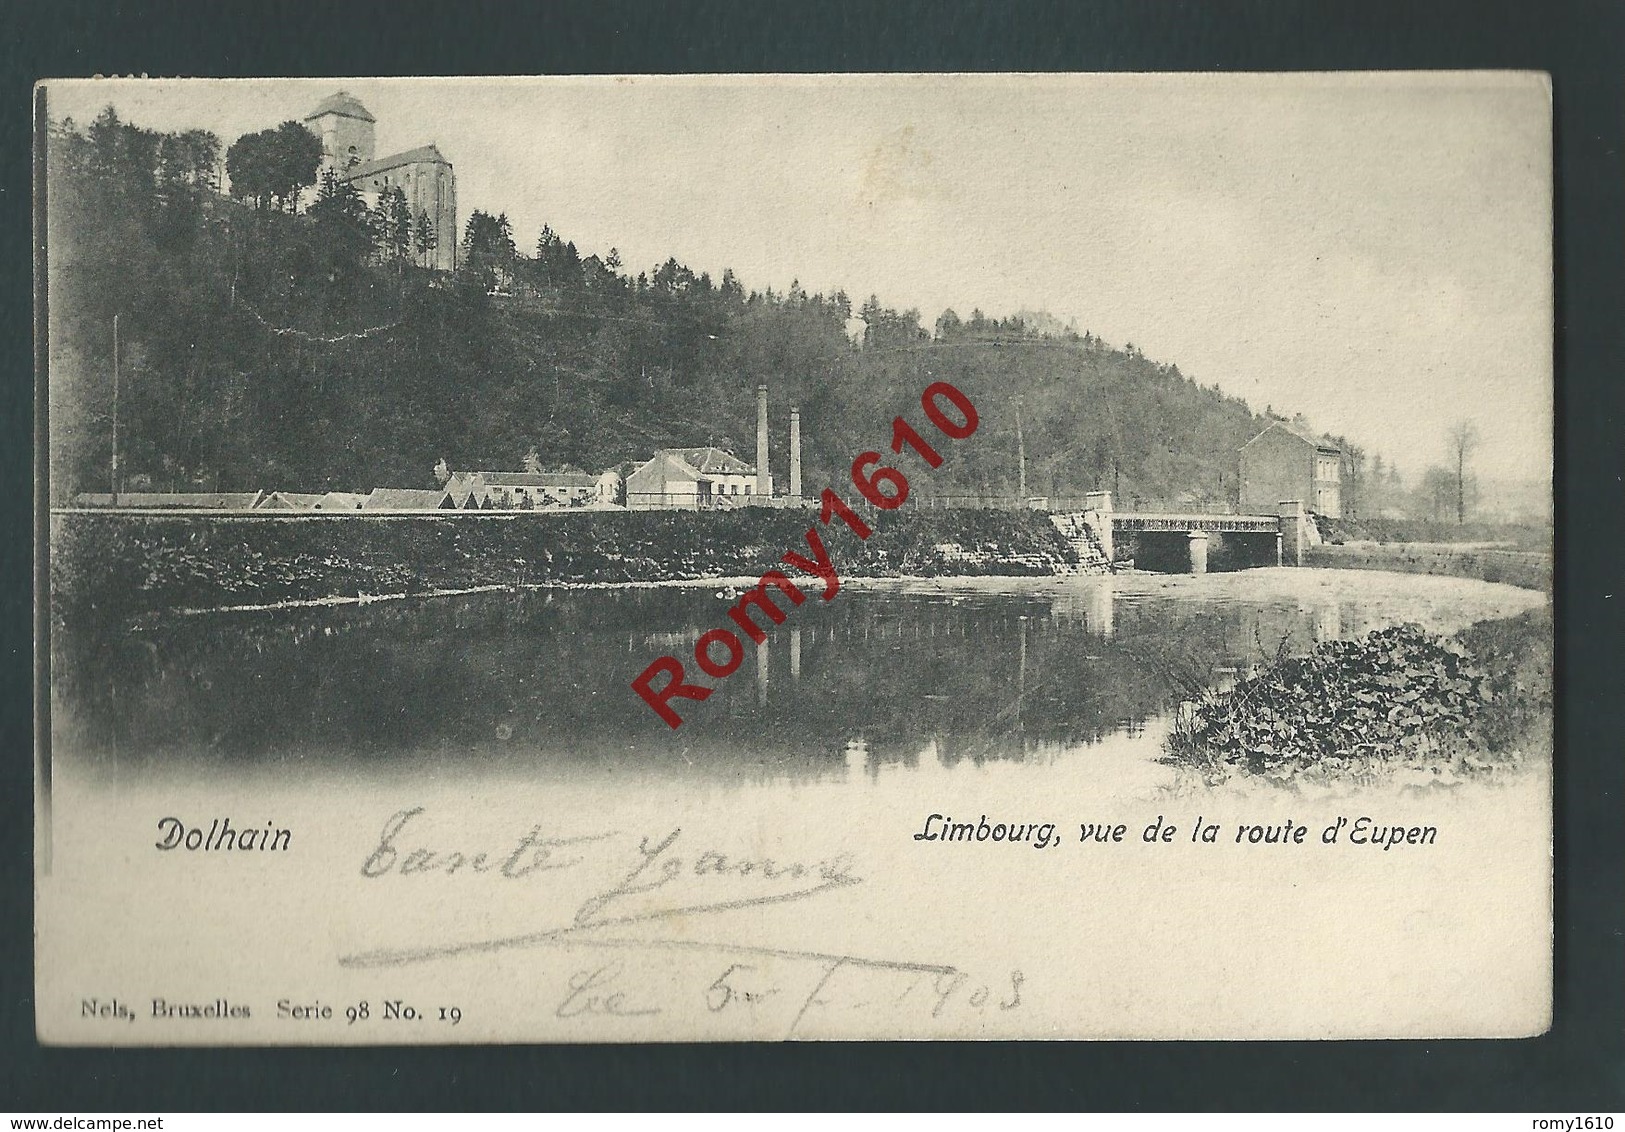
[346, 130]
[423, 175]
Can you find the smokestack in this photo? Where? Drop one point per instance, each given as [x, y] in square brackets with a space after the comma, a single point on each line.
[764, 480]
[795, 453]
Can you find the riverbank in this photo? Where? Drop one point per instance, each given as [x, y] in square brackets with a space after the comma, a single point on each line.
[1529, 569]
[114, 567]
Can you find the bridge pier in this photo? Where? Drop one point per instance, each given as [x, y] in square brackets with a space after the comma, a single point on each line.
[1198, 540]
[1292, 532]
[1098, 514]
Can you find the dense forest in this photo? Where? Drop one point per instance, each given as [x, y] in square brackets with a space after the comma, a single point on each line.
[285, 339]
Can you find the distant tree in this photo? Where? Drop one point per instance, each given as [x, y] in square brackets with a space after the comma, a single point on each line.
[1438, 486]
[671, 278]
[488, 252]
[274, 165]
[425, 239]
[103, 135]
[558, 264]
[200, 157]
[1377, 492]
[533, 460]
[394, 226]
[296, 157]
[341, 215]
[248, 164]
[1353, 477]
[1463, 440]
[188, 158]
[947, 324]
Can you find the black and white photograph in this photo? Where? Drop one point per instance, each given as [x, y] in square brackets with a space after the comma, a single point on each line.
[796, 557]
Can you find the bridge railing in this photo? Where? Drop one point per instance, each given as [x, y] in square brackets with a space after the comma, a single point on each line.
[1174, 521]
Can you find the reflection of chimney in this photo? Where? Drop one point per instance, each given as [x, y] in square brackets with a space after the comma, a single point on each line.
[795, 453]
[764, 481]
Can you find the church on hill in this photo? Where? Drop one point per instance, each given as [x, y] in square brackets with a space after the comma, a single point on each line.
[423, 174]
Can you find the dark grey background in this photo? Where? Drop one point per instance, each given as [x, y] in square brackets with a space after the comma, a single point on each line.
[1576, 1069]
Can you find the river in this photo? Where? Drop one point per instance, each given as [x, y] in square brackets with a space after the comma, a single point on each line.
[890, 677]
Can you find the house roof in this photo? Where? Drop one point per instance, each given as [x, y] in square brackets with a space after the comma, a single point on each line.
[402, 499]
[711, 461]
[341, 501]
[1324, 443]
[343, 103]
[227, 500]
[423, 154]
[291, 500]
[673, 466]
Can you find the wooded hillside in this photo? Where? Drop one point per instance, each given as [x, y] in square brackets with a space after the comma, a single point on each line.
[269, 347]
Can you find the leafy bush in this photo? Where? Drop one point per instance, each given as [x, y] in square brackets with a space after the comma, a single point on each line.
[1396, 697]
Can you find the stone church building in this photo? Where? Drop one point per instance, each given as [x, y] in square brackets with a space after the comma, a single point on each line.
[423, 174]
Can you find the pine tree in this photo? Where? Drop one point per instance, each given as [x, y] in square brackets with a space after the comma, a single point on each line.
[426, 240]
[395, 225]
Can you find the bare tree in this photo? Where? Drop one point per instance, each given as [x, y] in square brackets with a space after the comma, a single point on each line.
[1463, 440]
[1438, 485]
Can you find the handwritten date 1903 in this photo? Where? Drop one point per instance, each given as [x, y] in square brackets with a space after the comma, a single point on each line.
[790, 992]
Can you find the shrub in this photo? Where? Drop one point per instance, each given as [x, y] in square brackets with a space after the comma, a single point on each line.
[1396, 697]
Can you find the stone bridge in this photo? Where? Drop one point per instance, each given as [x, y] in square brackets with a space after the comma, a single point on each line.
[1292, 527]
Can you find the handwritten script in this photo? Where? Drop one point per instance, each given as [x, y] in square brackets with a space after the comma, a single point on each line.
[657, 897]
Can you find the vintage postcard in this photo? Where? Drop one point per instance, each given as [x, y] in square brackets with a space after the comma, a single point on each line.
[664, 558]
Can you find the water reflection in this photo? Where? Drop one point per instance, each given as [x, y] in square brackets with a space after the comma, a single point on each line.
[1328, 621]
[869, 680]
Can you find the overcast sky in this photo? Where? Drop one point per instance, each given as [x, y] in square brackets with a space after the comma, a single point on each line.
[1370, 250]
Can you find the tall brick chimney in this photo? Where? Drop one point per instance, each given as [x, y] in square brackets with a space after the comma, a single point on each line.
[764, 478]
[795, 453]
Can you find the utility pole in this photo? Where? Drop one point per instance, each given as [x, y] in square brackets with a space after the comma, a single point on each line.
[115, 410]
[1021, 460]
